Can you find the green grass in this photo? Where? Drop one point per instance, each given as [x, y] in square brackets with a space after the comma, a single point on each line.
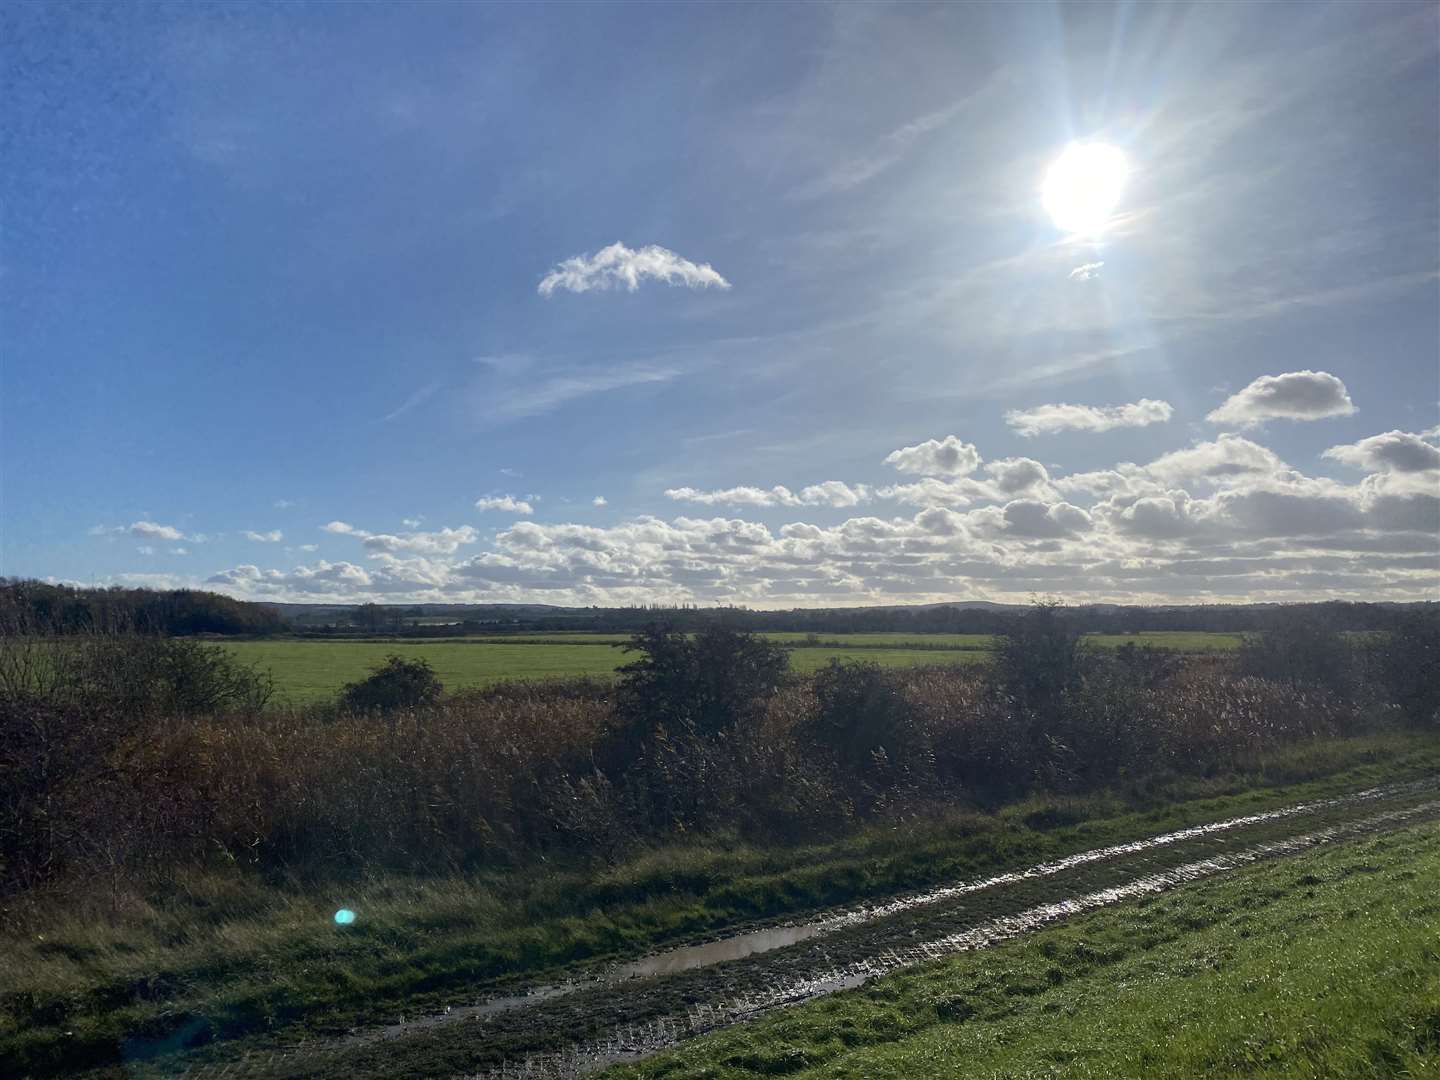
[248, 957]
[1180, 640]
[306, 671]
[1326, 964]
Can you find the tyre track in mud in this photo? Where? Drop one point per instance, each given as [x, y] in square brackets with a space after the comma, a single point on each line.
[563, 1030]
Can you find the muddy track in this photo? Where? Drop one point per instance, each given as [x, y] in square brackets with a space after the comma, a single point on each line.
[574, 1028]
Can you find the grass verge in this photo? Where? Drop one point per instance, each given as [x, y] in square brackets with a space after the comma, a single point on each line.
[228, 956]
[1326, 964]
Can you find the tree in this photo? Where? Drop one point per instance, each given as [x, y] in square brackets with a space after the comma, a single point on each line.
[396, 683]
[703, 684]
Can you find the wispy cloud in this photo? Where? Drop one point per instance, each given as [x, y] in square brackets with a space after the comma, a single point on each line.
[274, 536]
[1048, 419]
[546, 392]
[421, 395]
[620, 266]
[1087, 272]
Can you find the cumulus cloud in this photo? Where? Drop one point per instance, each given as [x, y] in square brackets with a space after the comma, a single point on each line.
[1222, 520]
[1393, 451]
[274, 536]
[508, 503]
[1048, 419]
[599, 500]
[936, 457]
[618, 265]
[830, 493]
[437, 542]
[153, 531]
[146, 530]
[1226, 460]
[1296, 395]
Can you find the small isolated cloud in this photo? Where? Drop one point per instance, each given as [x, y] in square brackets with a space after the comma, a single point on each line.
[1088, 272]
[180, 551]
[340, 528]
[508, 503]
[834, 493]
[284, 504]
[145, 549]
[1394, 451]
[599, 500]
[1048, 419]
[308, 547]
[618, 265]
[411, 522]
[151, 531]
[1296, 395]
[512, 473]
[274, 536]
[145, 530]
[937, 457]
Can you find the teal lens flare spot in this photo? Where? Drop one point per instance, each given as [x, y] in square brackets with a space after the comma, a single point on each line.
[344, 917]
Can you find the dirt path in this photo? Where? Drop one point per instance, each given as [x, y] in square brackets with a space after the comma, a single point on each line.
[574, 1028]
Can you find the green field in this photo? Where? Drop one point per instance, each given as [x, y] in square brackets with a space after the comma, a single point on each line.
[306, 671]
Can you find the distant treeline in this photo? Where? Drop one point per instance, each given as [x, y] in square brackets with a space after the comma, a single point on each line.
[38, 607]
[1106, 619]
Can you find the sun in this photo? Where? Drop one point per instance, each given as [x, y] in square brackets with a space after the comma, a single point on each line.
[1083, 187]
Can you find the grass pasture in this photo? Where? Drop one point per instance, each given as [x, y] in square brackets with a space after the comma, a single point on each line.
[306, 671]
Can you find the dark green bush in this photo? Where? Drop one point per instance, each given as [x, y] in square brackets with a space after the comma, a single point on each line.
[394, 683]
[1301, 650]
[1406, 663]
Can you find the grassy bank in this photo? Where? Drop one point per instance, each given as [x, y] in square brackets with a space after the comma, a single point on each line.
[231, 954]
[1326, 964]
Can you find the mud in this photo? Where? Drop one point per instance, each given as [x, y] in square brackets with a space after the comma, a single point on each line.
[570, 1029]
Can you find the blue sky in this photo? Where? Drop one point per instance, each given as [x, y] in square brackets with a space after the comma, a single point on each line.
[274, 323]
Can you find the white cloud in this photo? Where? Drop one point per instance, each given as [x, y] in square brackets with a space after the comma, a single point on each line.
[937, 457]
[284, 504]
[145, 549]
[829, 493]
[437, 542]
[274, 536]
[1048, 419]
[180, 551]
[541, 393]
[1393, 451]
[618, 265]
[412, 522]
[1086, 272]
[508, 503]
[150, 530]
[308, 547]
[599, 500]
[1296, 395]
[1227, 460]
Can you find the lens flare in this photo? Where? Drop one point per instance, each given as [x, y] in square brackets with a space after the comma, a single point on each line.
[344, 917]
[1083, 187]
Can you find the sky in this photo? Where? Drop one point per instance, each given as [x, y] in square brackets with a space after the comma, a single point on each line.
[720, 304]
